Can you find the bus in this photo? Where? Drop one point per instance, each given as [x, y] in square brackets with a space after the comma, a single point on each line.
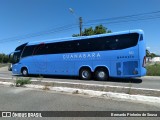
[120, 54]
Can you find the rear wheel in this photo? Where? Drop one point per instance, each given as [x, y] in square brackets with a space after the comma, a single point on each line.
[24, 72]
[101, 74]
[85, 74]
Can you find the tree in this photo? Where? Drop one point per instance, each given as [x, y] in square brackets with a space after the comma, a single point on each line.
[4, 58]
[152, 55]
[88, 31]
[148, 54]
[99, 29]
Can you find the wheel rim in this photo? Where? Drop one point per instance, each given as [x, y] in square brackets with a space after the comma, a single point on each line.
[101, 74]
[85, 74]
[24, 72]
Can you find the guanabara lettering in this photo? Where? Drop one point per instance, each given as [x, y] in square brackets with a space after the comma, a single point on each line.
[81, 56]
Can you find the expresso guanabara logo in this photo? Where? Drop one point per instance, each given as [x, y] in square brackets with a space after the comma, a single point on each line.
[81, 56]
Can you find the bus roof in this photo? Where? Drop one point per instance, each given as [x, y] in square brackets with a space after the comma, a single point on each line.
[85, 37]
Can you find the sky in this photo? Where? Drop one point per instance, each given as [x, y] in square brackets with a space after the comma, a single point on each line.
[33, 20]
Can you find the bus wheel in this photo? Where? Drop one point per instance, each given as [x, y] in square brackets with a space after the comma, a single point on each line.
[101, 74]
[85, 74]
[24, 72]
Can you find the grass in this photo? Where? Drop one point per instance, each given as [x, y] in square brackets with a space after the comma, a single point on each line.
[153, 70]
[22, 81]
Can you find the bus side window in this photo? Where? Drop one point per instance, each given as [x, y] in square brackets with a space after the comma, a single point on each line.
[68, 47]
[78, 44]
[28, 51]
[114, 44]
[39, 49]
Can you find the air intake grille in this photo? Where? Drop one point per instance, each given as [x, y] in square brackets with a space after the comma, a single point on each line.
[130, 67]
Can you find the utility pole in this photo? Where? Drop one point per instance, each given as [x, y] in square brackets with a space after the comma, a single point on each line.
[80, 21]
[80, 25]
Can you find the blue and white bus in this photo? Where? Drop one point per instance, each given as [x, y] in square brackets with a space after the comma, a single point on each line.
[120, 54]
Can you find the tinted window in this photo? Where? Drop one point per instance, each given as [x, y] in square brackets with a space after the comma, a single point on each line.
[16, 57]
[60, 47]
[38, 49]
[28, 51]
[116, 42]
[123, 41]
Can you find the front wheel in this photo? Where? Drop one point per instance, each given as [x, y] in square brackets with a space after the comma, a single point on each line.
[85, 74]
[101, 74]
[25, 72]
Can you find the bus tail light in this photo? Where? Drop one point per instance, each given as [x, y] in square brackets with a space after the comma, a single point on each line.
[144, 62]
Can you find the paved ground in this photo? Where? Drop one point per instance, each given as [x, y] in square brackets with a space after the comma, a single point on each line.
[25, 99]
[144, 82]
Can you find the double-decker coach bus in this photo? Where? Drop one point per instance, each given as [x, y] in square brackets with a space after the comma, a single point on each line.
[120, 54]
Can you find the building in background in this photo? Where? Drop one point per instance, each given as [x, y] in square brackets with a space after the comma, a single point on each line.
[154, 59]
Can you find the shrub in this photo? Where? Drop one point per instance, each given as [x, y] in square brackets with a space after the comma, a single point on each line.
[153, 70]
[22, 81]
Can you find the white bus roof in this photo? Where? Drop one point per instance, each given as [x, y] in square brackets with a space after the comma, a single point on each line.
[85, 37]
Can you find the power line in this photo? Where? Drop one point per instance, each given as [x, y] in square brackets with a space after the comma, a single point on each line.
[31, 35]
[125, 17]
[121, 19]
[124, 20]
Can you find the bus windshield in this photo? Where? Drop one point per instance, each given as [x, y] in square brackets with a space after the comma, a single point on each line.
[15, 57]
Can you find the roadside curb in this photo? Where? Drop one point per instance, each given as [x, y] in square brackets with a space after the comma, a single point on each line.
[95, 87]
[92, 93]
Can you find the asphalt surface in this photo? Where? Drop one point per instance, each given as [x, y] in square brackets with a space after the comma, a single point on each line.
[148, 82]
[26, 99]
